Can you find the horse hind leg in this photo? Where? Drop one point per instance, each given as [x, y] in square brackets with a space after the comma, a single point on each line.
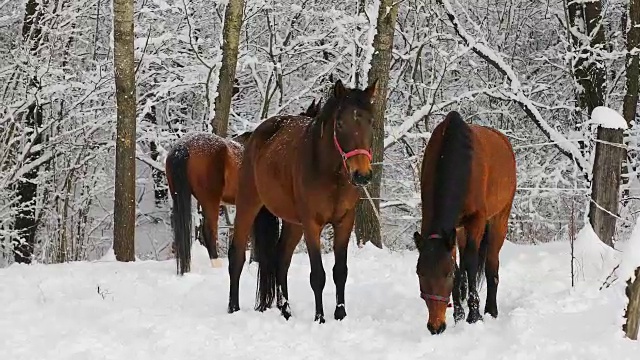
[248, 205]
[211, 212]
[497, 234]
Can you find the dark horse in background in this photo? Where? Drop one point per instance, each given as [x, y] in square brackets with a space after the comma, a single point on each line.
[468, 181]
[307, 173]
[206, 166]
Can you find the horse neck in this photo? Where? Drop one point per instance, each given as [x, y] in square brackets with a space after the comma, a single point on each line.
[326, 156]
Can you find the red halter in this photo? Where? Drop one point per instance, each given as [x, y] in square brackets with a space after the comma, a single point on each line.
[443, 299]
[352, 153]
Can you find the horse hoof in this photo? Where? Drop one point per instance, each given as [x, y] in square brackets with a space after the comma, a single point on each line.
[217, 263]
[232, 308]
[458, 315]
[285, 310]
[340, 312]
[492, 312]
[319, 319]
[474, 317]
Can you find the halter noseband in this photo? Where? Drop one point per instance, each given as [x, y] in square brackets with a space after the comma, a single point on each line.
[425, 296]
[352, 153]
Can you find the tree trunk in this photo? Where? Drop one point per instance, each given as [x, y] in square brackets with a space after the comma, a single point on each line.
[586, 18]
[230, 39]
[367, 223]
[159, 188]
[26, 223]
[632, 64]
[124, 215]
[632, 313]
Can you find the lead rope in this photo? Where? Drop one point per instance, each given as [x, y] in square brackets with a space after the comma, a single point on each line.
[375, 211]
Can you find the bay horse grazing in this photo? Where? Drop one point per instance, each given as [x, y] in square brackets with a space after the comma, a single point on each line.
[206, 166]
[468, 183]
[307, 173]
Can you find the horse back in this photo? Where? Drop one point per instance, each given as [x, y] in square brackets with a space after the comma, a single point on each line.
[271, 159]
[493, 173]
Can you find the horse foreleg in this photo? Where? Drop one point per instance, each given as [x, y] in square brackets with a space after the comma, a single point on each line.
[459, 280]
[342, 232]
[317, 277]
[470, 259]
[289, 239]
[458, 287]
[497, 234]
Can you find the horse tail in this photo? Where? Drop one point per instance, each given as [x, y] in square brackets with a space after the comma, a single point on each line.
[482, 256]
[266, 229]
[181, 211]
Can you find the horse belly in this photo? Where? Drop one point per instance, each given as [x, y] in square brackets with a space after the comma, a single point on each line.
[274, 186]
[278, 201]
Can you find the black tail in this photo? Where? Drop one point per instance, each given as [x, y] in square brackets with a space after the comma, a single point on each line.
[181, 211]
[482, 256]
[266, 231]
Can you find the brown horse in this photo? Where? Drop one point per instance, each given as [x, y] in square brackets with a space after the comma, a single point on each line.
[307, 173]
[468, 182]
[206, 166]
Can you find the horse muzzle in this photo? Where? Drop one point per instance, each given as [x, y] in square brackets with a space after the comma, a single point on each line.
[436, 330]
[360, 179]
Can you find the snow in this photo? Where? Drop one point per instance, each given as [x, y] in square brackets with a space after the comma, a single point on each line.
[594, 259]
[142, 310]
[608, 118]
[372, 14]
[630, 259]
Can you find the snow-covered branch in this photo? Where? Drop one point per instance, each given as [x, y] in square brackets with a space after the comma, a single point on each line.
[517, 93]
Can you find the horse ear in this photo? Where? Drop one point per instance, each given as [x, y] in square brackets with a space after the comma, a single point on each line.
[417, 239]
[318, 106]
[371, 90]
[339, 90]
[311, 107]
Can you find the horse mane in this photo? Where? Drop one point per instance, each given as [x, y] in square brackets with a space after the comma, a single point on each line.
[331, 108]
[452, 173]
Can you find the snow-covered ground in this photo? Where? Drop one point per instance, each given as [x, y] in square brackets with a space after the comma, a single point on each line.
[142, 310]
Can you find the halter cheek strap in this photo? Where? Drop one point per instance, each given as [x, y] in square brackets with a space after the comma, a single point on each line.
[346, 155]
[425, 296]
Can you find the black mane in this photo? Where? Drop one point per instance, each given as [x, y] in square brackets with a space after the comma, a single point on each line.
[452, 174]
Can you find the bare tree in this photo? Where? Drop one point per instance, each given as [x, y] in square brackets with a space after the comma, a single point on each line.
[26, 222]
[367, 222]
[124, 66]
[231, 37]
